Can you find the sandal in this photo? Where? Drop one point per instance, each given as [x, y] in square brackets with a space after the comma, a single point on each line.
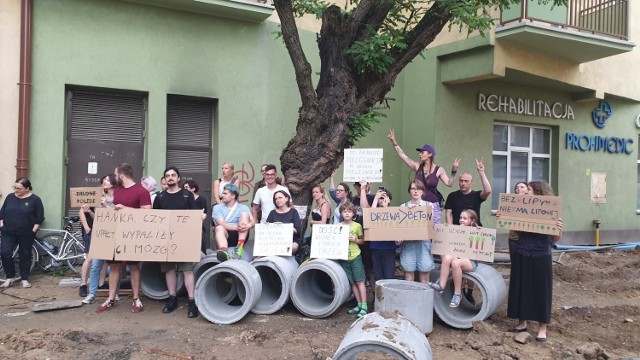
[8, 282]
[26, 284]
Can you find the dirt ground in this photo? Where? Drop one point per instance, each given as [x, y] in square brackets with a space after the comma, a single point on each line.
[596, 315]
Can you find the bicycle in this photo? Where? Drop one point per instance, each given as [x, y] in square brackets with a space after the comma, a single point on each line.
[34, 259]
[60, 247]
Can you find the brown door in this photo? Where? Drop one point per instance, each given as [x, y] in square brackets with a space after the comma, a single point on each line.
[104, 129]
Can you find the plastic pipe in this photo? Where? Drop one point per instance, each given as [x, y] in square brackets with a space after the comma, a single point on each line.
[488, 281]
[410, 299]
[384, 332]
[319, 288]
[216, 285]
[153, 282]
[275, 273]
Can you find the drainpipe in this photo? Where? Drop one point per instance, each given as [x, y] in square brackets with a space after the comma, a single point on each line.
[24, 86]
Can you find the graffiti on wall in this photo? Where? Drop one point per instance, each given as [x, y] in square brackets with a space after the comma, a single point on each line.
[246, 175]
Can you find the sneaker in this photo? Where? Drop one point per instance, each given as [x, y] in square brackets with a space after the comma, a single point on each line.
[136, 306]
[455, 300]
[240, 251]
[362, 313]
[89, 299]
[222, 255]
[468, 294]
[436, 286]
[193, 309]
[83, 290]
[117, 297]
[353, 311]
[108, 304]
[172, 304]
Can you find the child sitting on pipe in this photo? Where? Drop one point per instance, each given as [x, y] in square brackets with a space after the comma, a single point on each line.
[458, 265]
[353, 266]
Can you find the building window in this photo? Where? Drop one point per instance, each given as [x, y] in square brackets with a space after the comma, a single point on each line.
[638, 192]
[520, 153]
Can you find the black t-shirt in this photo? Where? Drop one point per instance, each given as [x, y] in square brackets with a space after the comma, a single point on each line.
[358, 215]
[457, 201]
[181, 200]
[201, 203]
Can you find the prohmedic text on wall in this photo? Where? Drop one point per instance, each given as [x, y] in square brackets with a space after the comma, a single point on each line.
[146, 235]
[596, 143]
[520, 106]
[530, 213]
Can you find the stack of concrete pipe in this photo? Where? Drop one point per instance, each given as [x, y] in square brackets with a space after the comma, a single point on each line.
[488, 282]
[410, 299]
[153, 283]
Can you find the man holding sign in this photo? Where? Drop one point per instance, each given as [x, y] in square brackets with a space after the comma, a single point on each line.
[128, 194]
[176, 198]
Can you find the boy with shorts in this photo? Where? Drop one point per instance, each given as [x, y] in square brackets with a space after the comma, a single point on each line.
[353, 266]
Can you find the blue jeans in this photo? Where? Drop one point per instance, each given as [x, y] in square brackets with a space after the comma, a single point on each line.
[94, 276]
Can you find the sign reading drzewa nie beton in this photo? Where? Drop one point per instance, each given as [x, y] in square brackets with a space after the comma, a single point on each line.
[467, 242]
[273, 239]
[146, 235]
[398, 223]
[530, 213]
[79, 196]
[330, 242]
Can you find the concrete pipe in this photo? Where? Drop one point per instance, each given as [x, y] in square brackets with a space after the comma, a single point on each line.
[214, 301]
[276, 273]
[384, 332]
[319, 288]
[412, 300]
[153, 282]
[492, 290]
[205, 264]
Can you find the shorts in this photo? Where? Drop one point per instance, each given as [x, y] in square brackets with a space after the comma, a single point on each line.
[232, 240]
[416, 256]
[180, 266]
[87, 241]
[354, 269]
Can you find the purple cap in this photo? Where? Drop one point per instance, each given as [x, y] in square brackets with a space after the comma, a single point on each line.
[429, 148]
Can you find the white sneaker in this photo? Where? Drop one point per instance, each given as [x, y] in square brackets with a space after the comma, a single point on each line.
[89, 299]
[117, 297]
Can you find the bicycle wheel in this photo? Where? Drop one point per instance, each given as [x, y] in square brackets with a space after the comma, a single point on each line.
[50, 242]
[75, 254]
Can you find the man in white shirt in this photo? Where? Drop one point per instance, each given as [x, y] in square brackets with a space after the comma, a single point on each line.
[264, 196]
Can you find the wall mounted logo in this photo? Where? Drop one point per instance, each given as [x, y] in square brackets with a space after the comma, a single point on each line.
[601, 114]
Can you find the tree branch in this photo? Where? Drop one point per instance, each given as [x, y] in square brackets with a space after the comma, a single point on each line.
[291, 39]
[369, 14]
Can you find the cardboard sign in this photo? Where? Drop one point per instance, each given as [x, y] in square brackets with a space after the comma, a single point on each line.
[362, 164]
[598, 188]
[467, 242]
[146, 235]
[530, 213]
[398, 223]
[302, 211]
[91, 196]
[273, 239]
[330, 242]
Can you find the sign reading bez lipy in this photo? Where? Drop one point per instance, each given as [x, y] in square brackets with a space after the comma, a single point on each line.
[330, 242]
[398, 223]
[530, 213]
[146, 235]
[467, 242]
[362, 164]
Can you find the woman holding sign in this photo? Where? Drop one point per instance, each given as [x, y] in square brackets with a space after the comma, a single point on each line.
[428, 173]
[284, 214]
[531, 284]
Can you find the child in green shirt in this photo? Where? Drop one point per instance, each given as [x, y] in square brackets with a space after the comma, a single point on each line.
[353, 266]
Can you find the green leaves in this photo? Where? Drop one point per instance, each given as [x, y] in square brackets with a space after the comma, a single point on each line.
[312, 7]
[372, 55]
[362, 123]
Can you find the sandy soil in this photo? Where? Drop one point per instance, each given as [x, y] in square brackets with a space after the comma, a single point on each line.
[596, 315]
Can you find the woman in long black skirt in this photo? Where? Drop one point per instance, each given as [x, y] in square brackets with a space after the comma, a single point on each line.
[531, 280]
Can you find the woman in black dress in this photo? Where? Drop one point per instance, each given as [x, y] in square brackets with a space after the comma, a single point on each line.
[284, 214]
[20, 218]
[531, 280]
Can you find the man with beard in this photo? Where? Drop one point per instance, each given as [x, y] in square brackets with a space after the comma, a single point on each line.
[128, 194]
[176, 198]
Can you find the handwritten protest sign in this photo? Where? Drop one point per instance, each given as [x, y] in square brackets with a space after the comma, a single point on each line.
[330, 242]
[146, 235]
[398, 223]
[531, 213]
[273, 239]
[79, 196]
[302, 211]
[362, 164]
[467, 242]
